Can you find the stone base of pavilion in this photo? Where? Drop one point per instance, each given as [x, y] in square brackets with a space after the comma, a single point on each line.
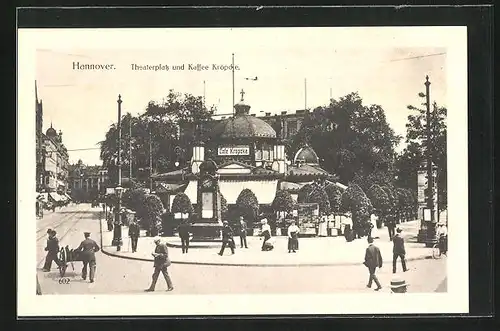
[317, 251]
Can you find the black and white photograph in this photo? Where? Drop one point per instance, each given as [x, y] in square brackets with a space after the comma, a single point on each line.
[243, 170]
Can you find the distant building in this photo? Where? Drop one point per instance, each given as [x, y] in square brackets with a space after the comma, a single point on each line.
[55, 161]
[87, 182]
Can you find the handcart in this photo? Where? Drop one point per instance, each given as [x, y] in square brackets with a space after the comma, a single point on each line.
[68, 256]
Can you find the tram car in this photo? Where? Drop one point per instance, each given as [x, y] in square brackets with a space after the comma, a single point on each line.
[67, 255]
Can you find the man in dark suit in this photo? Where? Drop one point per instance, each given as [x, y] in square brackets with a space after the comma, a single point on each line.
[227, 238]
[134, 232]
[184, 231]
[373, 259]
[398, 251]
[243, 232]
[391, 225]
[52, 249]
[161, 263]
[88, 247]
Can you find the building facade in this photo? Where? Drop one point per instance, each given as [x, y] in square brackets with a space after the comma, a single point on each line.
[40, 138]
[56, 162]
[87, 182]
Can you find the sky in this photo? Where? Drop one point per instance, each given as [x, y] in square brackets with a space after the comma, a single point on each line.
[82, 104]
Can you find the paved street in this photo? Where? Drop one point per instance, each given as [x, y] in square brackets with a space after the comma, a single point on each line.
[117, 275]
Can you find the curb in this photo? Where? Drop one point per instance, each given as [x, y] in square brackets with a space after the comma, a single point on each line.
[220, 264]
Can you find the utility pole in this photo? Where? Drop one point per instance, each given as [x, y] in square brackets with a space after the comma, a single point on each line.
[150, 160]
[430, 179]
[130, 147]
[204, 102]
[233, 86]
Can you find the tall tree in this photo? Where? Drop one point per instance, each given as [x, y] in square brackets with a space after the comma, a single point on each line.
[361, 141]
[416, 137]
[334, 196]
[248, 205]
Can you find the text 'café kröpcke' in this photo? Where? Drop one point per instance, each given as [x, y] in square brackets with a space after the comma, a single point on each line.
[248, 155]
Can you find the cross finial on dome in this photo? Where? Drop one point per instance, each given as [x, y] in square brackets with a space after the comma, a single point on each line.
[242, 94]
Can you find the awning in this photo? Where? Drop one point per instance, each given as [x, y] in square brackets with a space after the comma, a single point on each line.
[56, 197]
[168, 187]
[43, 197]
[291, 185]
[67, 196]
[264, 190]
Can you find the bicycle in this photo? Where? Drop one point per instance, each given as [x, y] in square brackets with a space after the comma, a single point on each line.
[437, 251]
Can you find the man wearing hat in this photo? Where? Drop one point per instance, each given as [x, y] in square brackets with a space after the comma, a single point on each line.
[88, 247]
[398, 286]
[373, 259]
[52, 249]
[243, 232]
[227, 238]
[398, 250]
[134, 232]
[161, 263]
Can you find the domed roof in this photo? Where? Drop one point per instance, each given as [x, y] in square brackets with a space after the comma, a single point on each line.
[306, 155]
[51, 132]
[243, 125]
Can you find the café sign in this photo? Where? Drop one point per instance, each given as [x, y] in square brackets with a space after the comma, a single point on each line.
[233, 150]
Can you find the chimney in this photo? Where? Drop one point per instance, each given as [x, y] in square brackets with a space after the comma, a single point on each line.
[268, 114]
[283, 113]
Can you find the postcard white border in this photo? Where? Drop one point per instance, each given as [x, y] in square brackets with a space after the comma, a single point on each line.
[454, 301]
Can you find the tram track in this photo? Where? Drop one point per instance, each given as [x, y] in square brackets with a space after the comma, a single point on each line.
[63, 235]
[62, 220]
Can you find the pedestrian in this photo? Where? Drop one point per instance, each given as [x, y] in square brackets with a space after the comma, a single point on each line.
[374, 230]
[266, 233]
[88, 247]
[109, 221]
[243, 232]
[442, 235]
[347, 222]
[134, 232]
[293, 241]
[373, 259]
[398, 251]
[227, 238]
[184, 230]
[52, 249]
[391, 225]
[161, 264]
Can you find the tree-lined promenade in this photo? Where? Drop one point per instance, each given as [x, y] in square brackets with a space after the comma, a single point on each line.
[361, 150]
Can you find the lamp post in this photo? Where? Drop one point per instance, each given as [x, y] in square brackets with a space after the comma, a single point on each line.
[117, 233]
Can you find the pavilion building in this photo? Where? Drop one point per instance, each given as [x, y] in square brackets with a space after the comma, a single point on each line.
[249, 155]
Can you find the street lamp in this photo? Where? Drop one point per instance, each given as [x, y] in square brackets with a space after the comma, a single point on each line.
[117, 234]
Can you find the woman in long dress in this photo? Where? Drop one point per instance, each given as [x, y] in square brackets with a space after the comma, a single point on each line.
[293, 241]
[266, 232]
[374, 230]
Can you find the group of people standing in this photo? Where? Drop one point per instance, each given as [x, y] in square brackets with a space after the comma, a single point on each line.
[267, 243]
